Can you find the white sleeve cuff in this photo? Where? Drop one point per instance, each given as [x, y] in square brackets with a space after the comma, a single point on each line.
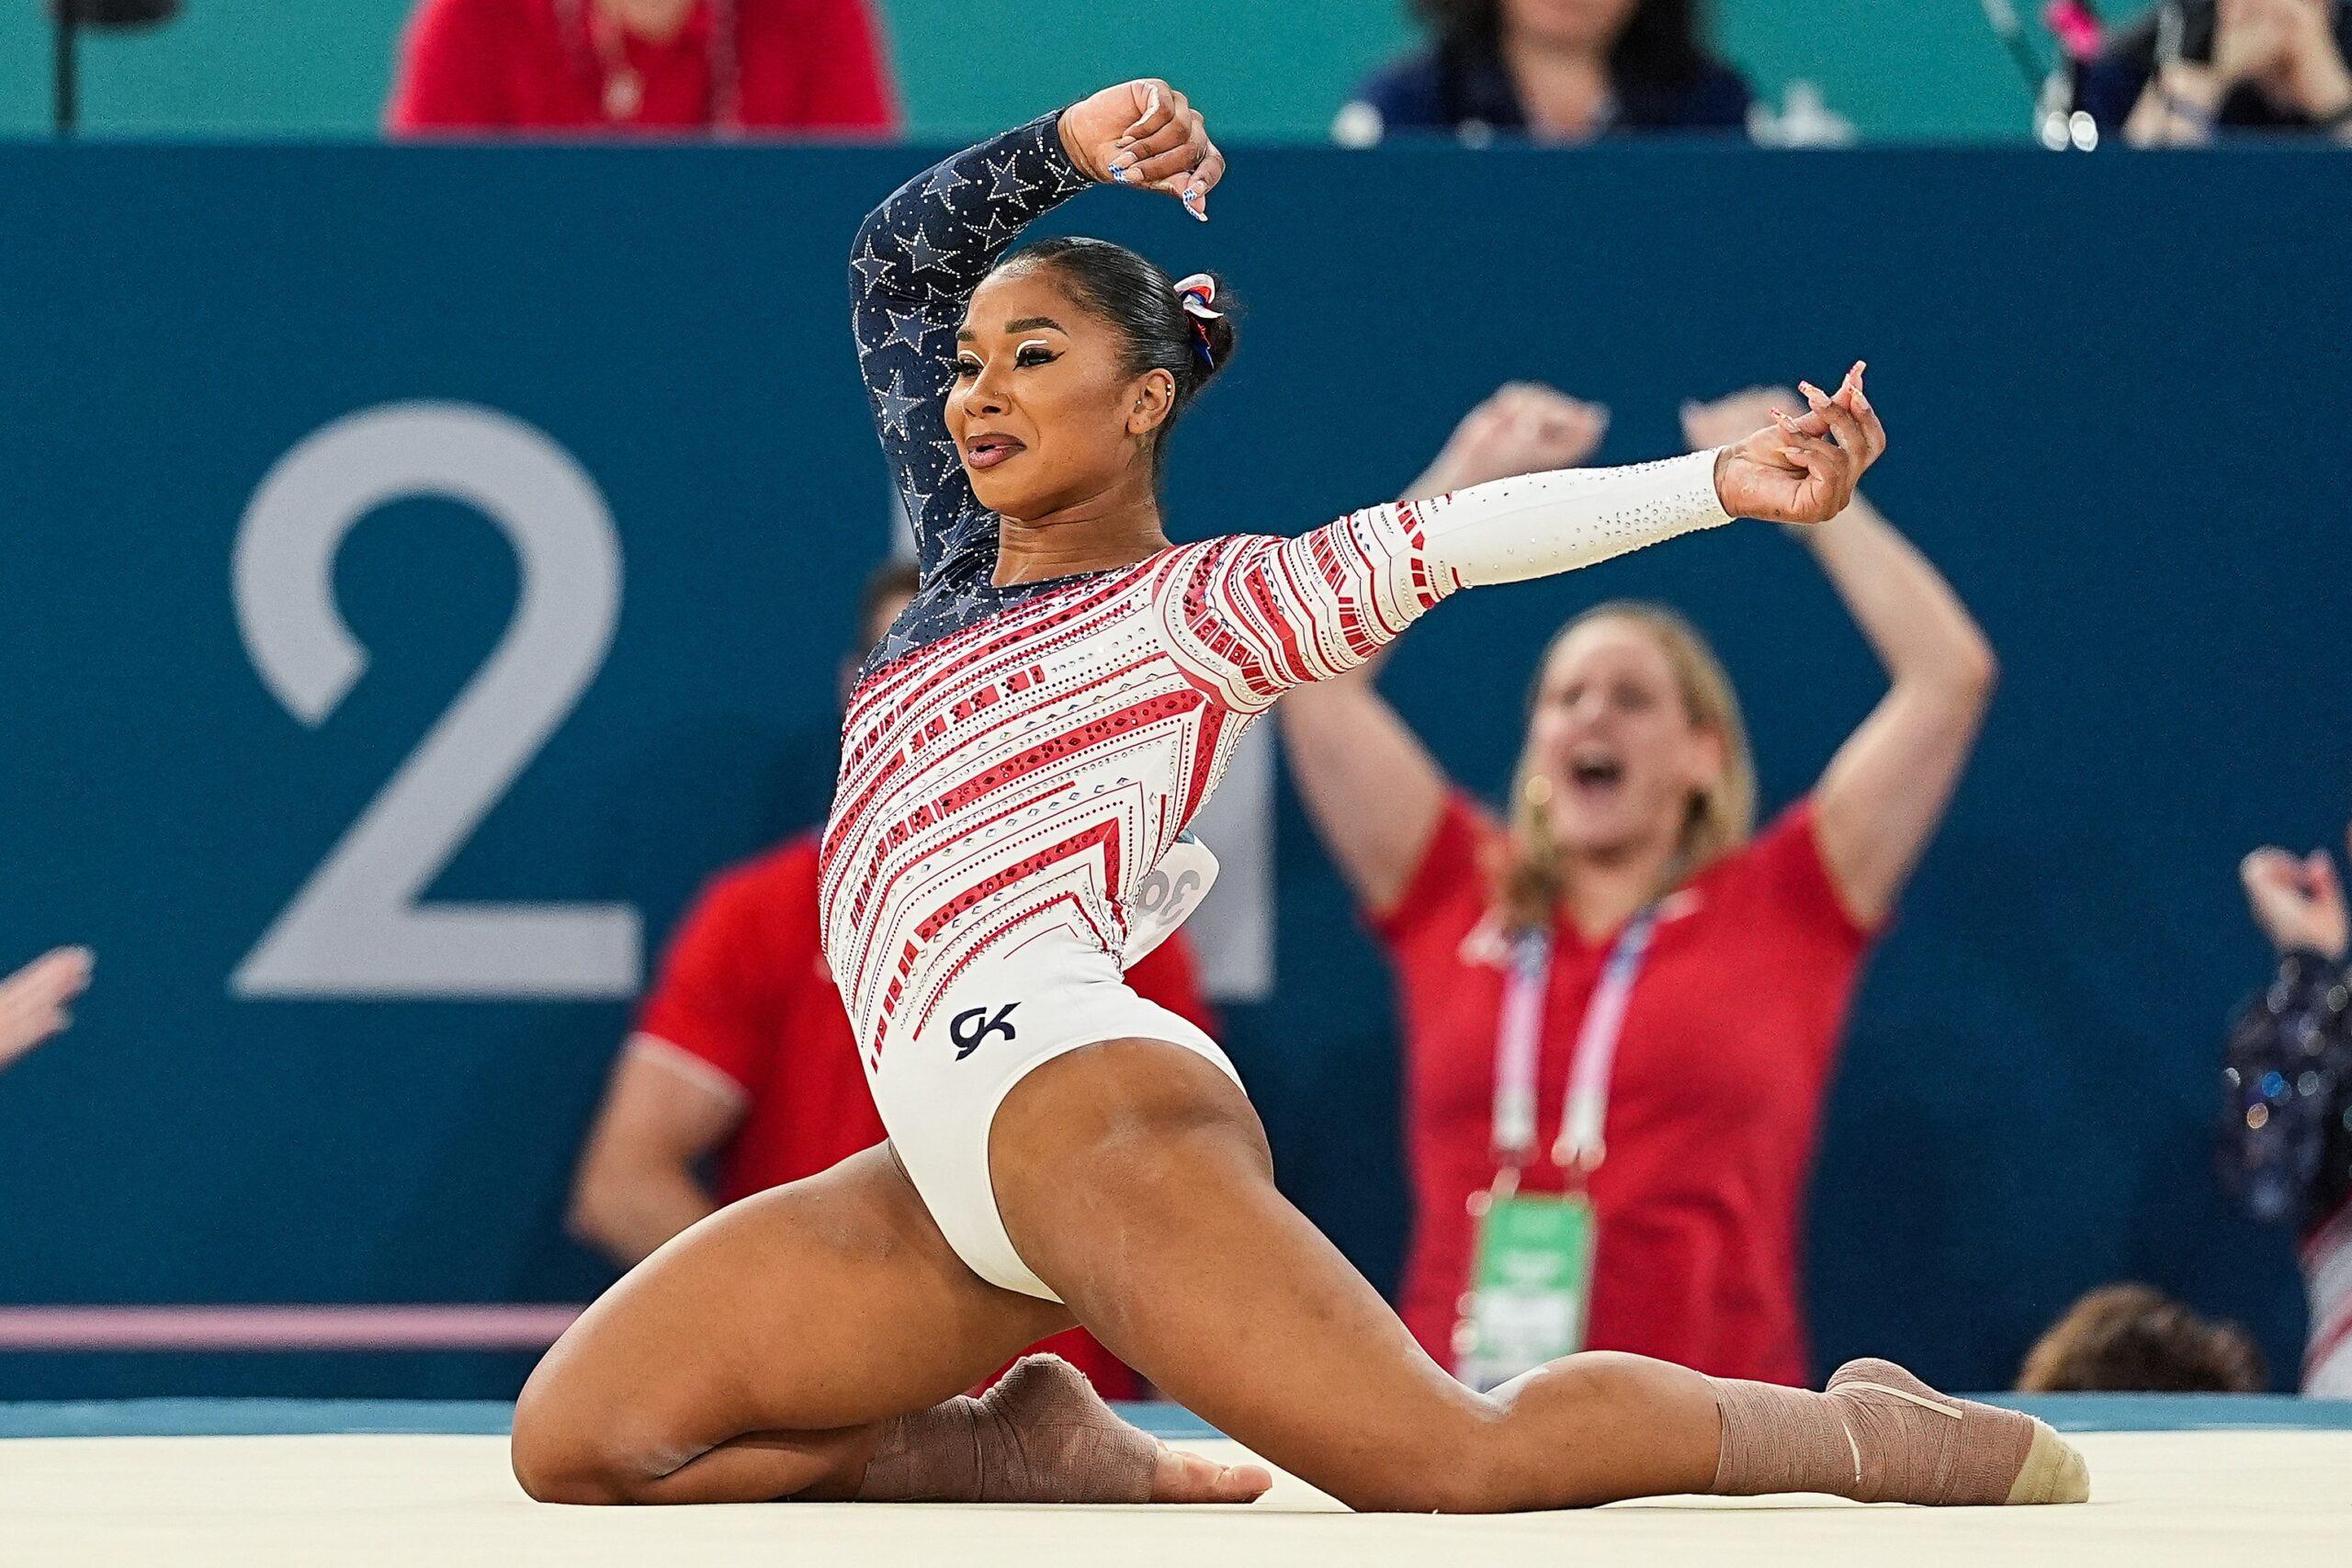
[1538, 524]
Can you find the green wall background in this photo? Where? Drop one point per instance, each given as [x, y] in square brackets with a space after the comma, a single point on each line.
[1925, 68]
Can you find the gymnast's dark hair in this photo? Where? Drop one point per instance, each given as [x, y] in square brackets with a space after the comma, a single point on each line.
[1139, 301]
[1661, 44]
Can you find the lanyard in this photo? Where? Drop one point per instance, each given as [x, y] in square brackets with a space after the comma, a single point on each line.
[1519, 1039]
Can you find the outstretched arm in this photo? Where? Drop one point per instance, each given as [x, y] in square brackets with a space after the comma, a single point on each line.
[918, 256]
[1883, 795]
[1254, 616]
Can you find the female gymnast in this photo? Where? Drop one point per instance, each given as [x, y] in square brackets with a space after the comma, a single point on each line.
[1019, 763]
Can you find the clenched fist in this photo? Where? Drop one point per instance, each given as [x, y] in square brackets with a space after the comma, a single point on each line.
[1145, 133]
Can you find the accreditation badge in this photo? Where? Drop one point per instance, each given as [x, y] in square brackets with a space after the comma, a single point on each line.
[1531, 1284]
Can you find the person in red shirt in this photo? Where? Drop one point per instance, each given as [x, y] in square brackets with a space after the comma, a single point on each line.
[1635, 789]
[620, 66]
[742, 1057]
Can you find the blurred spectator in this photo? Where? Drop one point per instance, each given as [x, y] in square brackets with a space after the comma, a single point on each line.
[2285, 1152]
[633, 65]
[1524, 428]
[33, 1001]
[1551, 70]
[2132, 1339]
[2189, 67]
[1634, 791]
[743, 1056]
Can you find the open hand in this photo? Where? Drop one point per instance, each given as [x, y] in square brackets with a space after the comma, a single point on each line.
[1524, 428]
[1803, 470]
[2250, 40]
[1145, 133]
[2298, 903]
[33, 1001]
[2312, 74]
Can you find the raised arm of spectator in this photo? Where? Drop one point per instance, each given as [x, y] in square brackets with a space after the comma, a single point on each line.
[1372, 791]
[1880, 800]
[2288, 1087]
[33, 1001]
[2287, 48]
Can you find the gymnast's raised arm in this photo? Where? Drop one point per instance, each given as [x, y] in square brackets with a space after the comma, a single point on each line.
[918, 256]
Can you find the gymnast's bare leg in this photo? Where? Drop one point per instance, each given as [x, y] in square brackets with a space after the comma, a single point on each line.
[811, 1342]
[1134, 1178]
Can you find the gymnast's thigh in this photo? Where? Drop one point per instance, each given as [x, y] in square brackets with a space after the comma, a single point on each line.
[828, 1303]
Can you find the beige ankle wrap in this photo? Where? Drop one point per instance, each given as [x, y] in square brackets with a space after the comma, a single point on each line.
[1041, 1435]
[1880, 1435]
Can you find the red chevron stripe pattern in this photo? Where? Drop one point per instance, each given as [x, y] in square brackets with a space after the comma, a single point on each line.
[1034, 766]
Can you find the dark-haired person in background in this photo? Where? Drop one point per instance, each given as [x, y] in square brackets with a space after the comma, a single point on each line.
[2192, 67]
[2135, 1339]
[2285, 1155]
[1552, 71]
[621, 67]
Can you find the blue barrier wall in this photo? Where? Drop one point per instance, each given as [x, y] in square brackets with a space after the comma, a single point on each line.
[2116, 387]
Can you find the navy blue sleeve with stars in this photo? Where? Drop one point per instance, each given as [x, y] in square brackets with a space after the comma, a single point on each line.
[916, 259]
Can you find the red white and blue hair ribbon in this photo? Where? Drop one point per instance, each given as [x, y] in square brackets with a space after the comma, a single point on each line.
[1197, 294]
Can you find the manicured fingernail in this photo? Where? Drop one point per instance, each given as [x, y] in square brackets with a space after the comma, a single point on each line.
[1123, 160]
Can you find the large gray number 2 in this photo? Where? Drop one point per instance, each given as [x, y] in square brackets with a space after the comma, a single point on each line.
[358, 928]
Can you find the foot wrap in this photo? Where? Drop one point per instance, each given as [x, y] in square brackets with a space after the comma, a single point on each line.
[1041, 1435]
[1880, 1435]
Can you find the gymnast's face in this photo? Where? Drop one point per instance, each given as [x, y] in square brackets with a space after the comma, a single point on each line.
[1570, 24]
[1611, 733]
[1044, 411]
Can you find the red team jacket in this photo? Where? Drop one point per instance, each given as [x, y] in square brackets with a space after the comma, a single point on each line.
[1730, 1036]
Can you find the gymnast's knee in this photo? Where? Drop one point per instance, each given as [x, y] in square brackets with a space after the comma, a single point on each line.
[559, 1470]
[557, 1458]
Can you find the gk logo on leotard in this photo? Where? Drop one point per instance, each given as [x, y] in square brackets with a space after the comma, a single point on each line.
[971, 1028]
